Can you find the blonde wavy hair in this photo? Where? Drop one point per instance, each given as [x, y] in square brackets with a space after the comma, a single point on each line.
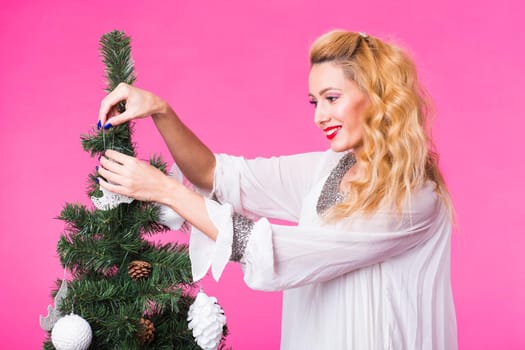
[397, 154]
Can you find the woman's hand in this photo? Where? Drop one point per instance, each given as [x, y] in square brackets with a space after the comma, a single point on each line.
[139, 180]
[134, 178]
[139, 104]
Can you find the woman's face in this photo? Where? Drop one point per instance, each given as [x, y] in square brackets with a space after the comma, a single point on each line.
[339, 106]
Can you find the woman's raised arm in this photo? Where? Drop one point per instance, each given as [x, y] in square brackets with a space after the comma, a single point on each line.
[192, 156]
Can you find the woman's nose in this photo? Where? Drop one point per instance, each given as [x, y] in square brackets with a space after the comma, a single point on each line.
[321, 117]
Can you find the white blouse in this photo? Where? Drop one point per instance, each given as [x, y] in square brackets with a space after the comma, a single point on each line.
[365, 282]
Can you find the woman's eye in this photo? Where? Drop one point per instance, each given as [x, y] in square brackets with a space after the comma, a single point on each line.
[313, 103]
[331, 98]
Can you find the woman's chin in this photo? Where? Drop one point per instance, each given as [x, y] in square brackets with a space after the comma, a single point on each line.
[345, 145]
[334, 146]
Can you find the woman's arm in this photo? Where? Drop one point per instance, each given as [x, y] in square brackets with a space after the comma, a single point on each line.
[192, 156]
[275, 256]
[269, 187]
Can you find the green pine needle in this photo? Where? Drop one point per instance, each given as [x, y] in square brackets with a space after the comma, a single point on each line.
[117, 138]
[116, 55]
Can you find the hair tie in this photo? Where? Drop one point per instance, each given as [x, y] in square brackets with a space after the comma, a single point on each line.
[363, 35]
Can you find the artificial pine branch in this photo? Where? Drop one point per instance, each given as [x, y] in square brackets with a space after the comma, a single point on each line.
[158, 163]
[116, 55]
[117, 138]
[115, 49]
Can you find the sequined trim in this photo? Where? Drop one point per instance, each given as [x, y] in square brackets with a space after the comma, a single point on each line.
[330, 194]
[242, 229]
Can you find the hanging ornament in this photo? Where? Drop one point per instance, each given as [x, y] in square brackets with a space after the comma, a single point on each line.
[206, 319]
[53, 315]
[138, 269]
[167, 216]
[71, 332]
[146, 331]
[109, 200]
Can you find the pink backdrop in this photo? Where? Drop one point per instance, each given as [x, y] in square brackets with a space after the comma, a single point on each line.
[237, 72]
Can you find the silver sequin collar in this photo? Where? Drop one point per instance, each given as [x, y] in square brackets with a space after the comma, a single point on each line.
[330, 194]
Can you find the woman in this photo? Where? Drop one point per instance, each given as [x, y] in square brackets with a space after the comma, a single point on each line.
[367, 267]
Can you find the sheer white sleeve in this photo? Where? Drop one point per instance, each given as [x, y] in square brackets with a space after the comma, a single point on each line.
[266, 187]
[270, 187]
[276, 257]
[204, 252]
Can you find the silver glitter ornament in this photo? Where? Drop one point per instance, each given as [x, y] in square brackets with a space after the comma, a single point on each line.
[53, 315]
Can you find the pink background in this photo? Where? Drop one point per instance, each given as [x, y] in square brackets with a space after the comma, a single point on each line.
[236, 71]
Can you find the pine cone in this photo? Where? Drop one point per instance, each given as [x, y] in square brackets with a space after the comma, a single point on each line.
[146, 331]
[138, 269]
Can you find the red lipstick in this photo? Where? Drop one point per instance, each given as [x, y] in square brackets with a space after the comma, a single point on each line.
[332, 131]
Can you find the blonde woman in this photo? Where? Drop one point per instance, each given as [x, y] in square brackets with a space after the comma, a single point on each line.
[368, 265]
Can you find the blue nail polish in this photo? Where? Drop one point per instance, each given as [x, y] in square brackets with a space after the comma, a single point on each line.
[107, 126]
[96, 167]
[99, 125]
[98, 181]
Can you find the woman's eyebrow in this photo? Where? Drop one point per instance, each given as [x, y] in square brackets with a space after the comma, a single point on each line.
[324, 90]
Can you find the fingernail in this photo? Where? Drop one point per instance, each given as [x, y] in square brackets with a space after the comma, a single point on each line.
[96, 167]
[99, 157]
[98, 181]
[107, 126]
[99, 125]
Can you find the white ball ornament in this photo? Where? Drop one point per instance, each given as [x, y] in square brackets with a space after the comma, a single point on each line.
[169, 217]
[71, 332]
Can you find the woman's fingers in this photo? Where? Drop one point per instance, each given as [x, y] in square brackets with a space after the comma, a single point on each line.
[112, 187]
[109, 102]
[117, 120]
[110, 165]
[118, 157]
[112, 177]
[115, 167]
[129, 176]
[139, 104]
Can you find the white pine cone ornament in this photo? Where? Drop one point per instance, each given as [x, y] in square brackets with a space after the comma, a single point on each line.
[71, 332]
[206, 320]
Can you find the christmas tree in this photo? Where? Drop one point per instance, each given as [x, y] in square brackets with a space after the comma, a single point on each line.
[133, 293]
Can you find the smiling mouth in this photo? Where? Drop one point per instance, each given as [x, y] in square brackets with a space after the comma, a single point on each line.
[331, 131]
